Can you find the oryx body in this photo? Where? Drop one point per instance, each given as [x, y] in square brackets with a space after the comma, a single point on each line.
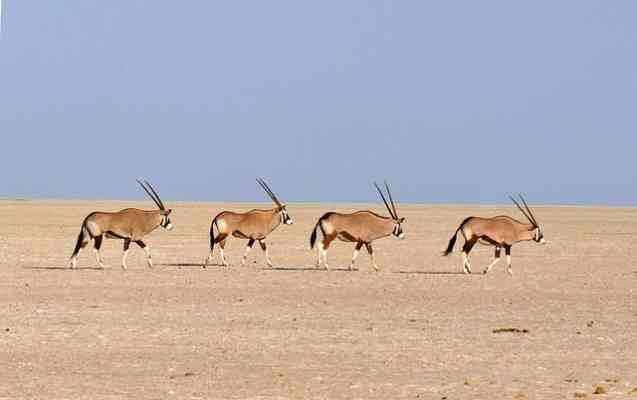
[501, 231]
[254, 225]
[361, 227]
[130, 225]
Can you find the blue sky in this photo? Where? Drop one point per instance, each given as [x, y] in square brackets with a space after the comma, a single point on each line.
[453, 101]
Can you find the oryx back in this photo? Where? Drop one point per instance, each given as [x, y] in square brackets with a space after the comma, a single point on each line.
[497, 230]
[501, 231]
[360, 226]
[254, 225]
[130, 223]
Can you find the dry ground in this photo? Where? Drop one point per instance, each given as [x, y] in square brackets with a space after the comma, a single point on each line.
[418, 329]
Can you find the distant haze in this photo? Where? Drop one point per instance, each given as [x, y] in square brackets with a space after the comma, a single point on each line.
[450, 101]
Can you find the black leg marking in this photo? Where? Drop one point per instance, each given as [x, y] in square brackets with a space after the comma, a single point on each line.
[126, 247]
[356, 250]
[370, 250]
[147, 251]
[248, 248]
[507, 250]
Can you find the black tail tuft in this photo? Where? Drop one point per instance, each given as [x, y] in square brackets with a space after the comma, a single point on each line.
[318, 226]
[313, 235]
[452, 241]
[78, 245]
[212, 234]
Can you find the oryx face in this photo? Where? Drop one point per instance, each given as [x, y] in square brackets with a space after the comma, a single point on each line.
[398, 228]
[165, 221]
[285, 217]
[539, 235]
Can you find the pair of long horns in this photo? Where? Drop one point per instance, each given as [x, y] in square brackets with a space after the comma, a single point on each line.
[269, 192]
[392, 210]
[528, 214]
[152, 193]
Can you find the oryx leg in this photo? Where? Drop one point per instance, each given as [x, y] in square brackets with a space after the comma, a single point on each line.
[82, 240]
[370, 250]
[97, 244]
[264, 247]
[356, 250]
[495, 261]
[220, 238]
[319, 252]
[507, 250]
[147, 251]
[248, 248]
[468, 245]
[324, 245]
[222, 245]
[126, 247]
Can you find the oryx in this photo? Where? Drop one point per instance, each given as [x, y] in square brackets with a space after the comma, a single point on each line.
[501, 231]
[130, 225]
[253, 225]
[360, 227]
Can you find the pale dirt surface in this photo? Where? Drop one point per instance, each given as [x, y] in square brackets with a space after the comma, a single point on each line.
[416, 330]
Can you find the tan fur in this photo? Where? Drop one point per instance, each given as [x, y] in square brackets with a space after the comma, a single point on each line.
[360, 226]
[501, 230]
[130, 223]
[254, 224]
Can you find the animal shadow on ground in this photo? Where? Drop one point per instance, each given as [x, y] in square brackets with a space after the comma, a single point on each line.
[312, 268]
[53, 268]
[179, 265]
[433, 273]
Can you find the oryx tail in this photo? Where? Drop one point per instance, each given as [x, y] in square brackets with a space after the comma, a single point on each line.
[452, 241]
[212, 233]
[319, 225]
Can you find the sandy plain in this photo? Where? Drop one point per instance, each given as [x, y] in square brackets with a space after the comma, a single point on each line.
[418, 329]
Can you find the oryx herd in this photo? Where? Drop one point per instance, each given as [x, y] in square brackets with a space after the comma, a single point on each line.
[360, 227]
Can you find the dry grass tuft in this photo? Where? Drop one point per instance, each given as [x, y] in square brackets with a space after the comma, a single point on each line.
[600, 390]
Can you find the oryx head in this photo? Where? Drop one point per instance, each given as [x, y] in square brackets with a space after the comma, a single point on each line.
[285, 217]
[165, 221]
[398, 228]
[538, 231]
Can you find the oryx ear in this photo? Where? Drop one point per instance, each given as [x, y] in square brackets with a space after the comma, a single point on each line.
[401, 220]
[168, 211]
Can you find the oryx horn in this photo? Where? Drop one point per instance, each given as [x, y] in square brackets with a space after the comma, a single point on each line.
[391, 199]
[152, 193]
[269, 191]
[385, 201]
[528, 216]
